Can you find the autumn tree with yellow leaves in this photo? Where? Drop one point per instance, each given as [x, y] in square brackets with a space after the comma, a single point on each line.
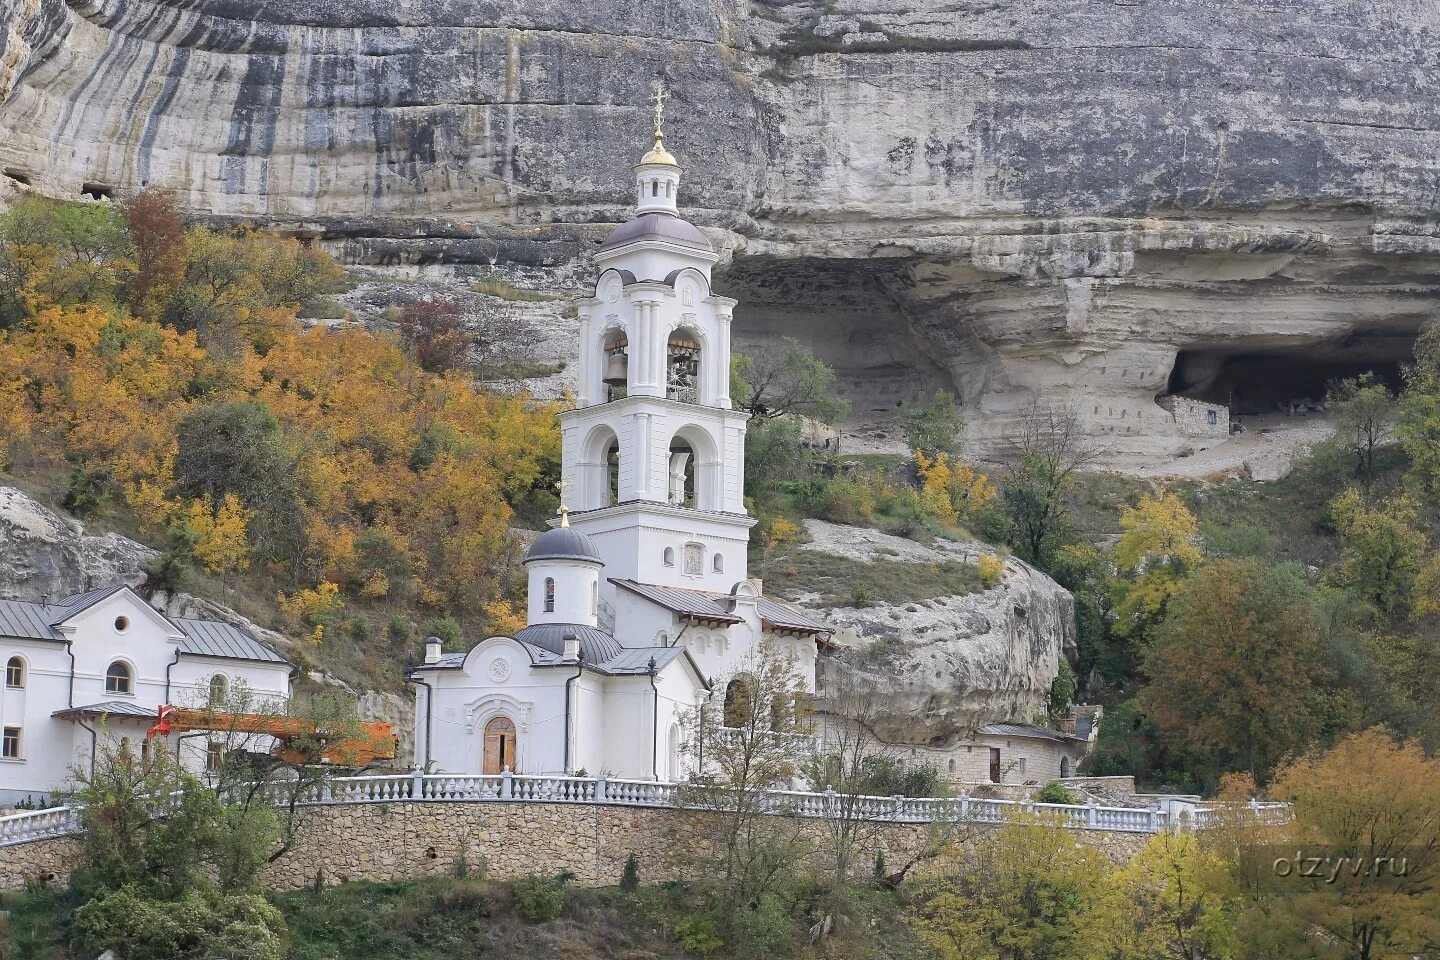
[164, 369]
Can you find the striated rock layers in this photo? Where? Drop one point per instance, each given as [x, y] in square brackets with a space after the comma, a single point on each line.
[1091, 202]
[941, 667]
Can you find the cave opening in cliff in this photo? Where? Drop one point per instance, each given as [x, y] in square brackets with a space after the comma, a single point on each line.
[19, 176]
[850, 312]
[1286, 377]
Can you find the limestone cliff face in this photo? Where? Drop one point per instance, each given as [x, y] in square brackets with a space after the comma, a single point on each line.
[941, 667]
[1097, 202]
[44, 556]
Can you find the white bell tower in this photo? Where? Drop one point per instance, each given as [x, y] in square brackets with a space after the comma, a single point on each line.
[653, 454]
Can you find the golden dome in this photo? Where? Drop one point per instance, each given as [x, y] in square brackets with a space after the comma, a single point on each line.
[658, 154]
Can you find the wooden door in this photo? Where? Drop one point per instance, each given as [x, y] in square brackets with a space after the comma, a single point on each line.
[994, 764]
[499, 746]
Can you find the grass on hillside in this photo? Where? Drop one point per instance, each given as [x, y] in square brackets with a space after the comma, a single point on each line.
[841, 581]
[449, 918]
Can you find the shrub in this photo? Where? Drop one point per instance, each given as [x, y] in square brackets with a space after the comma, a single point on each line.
[991, 567]
[1055, 792]
[761, 931]
[846, 501]
[540, 899]
[697, 935]
[630, 876]
[87, 490]
[195, 927]
[446, 628]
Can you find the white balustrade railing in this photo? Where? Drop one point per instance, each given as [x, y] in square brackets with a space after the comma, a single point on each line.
[422, 787]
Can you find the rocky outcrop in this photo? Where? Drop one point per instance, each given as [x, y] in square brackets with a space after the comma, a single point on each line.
[941, 667]
[1093, 203]
[44, 556]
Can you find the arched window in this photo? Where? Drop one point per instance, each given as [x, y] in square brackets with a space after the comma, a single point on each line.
[118, 678]
[15, 672]
[654, 188]
[669, 556]
[669, 188]
[1064, 766]
[219, 689]
[595, 599]
[739, 697]
[718, 564]
[674, 764]
[499, 746]
[549, 594]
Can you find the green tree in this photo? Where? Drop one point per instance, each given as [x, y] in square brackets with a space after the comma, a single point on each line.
[1051, 449]
[1020, 893]
[1417, 421]
[934, 425]
[1383, 548]
[785, 379]
[1238, 679]
[1363, 407]
[238, 449]
[1159, 548]
[1165, 904]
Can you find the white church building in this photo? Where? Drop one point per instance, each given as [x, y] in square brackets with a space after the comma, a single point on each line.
[640, 608]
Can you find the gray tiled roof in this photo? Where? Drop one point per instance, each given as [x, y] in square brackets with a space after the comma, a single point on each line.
[111, 708]
[636, 660]
[202, 638]
[716, 607]
[595, 645]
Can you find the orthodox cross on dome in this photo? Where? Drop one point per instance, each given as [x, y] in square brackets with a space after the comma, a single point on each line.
[563, 512]
[658, 98]
[658, 153]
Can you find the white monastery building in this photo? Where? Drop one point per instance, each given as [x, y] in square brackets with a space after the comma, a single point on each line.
[100, 664]
[639, 602]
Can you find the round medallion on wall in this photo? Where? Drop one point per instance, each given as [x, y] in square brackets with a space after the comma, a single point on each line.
[499, 669]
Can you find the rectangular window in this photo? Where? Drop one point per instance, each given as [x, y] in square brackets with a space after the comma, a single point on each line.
[214, 754]
[12, 743]
[1022, 766]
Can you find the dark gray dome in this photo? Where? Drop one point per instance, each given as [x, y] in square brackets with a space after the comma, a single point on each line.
[563, 543]
[596, 646]
[658, 226]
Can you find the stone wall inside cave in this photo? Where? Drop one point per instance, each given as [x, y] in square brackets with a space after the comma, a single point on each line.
[1018, 201]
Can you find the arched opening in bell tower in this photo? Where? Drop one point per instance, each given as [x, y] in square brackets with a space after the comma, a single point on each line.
[682, 365]
[615, 364]
[694, 479]
[600, 463]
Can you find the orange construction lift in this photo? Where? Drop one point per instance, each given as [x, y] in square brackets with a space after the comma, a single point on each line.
[359, 746]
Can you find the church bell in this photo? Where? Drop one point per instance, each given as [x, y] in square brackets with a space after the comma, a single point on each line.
[617, 371]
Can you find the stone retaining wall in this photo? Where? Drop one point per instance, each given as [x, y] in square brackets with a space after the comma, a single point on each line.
[397, 841]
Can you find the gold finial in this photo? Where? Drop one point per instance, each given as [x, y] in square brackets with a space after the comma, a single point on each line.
[658, 153]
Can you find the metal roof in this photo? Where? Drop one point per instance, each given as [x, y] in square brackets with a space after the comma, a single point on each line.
[596, 646]
[718, 607]
[701, 605]
[657, 226]
[1024, 730]
[563, 543]
[29, 621]
[207, 638]
[201, 638]
[635, 660]
[109, 708]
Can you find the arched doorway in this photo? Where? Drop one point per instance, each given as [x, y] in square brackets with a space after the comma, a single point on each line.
[1064, 767]
[739, 701]
[499, 746]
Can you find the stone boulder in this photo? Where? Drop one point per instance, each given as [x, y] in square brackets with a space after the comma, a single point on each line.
[943, 666]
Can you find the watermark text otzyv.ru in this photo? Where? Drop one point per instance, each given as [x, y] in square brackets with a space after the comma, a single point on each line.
[1334, 868]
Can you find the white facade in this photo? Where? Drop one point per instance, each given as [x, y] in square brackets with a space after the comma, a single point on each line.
[639, 607]
[101, 664]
